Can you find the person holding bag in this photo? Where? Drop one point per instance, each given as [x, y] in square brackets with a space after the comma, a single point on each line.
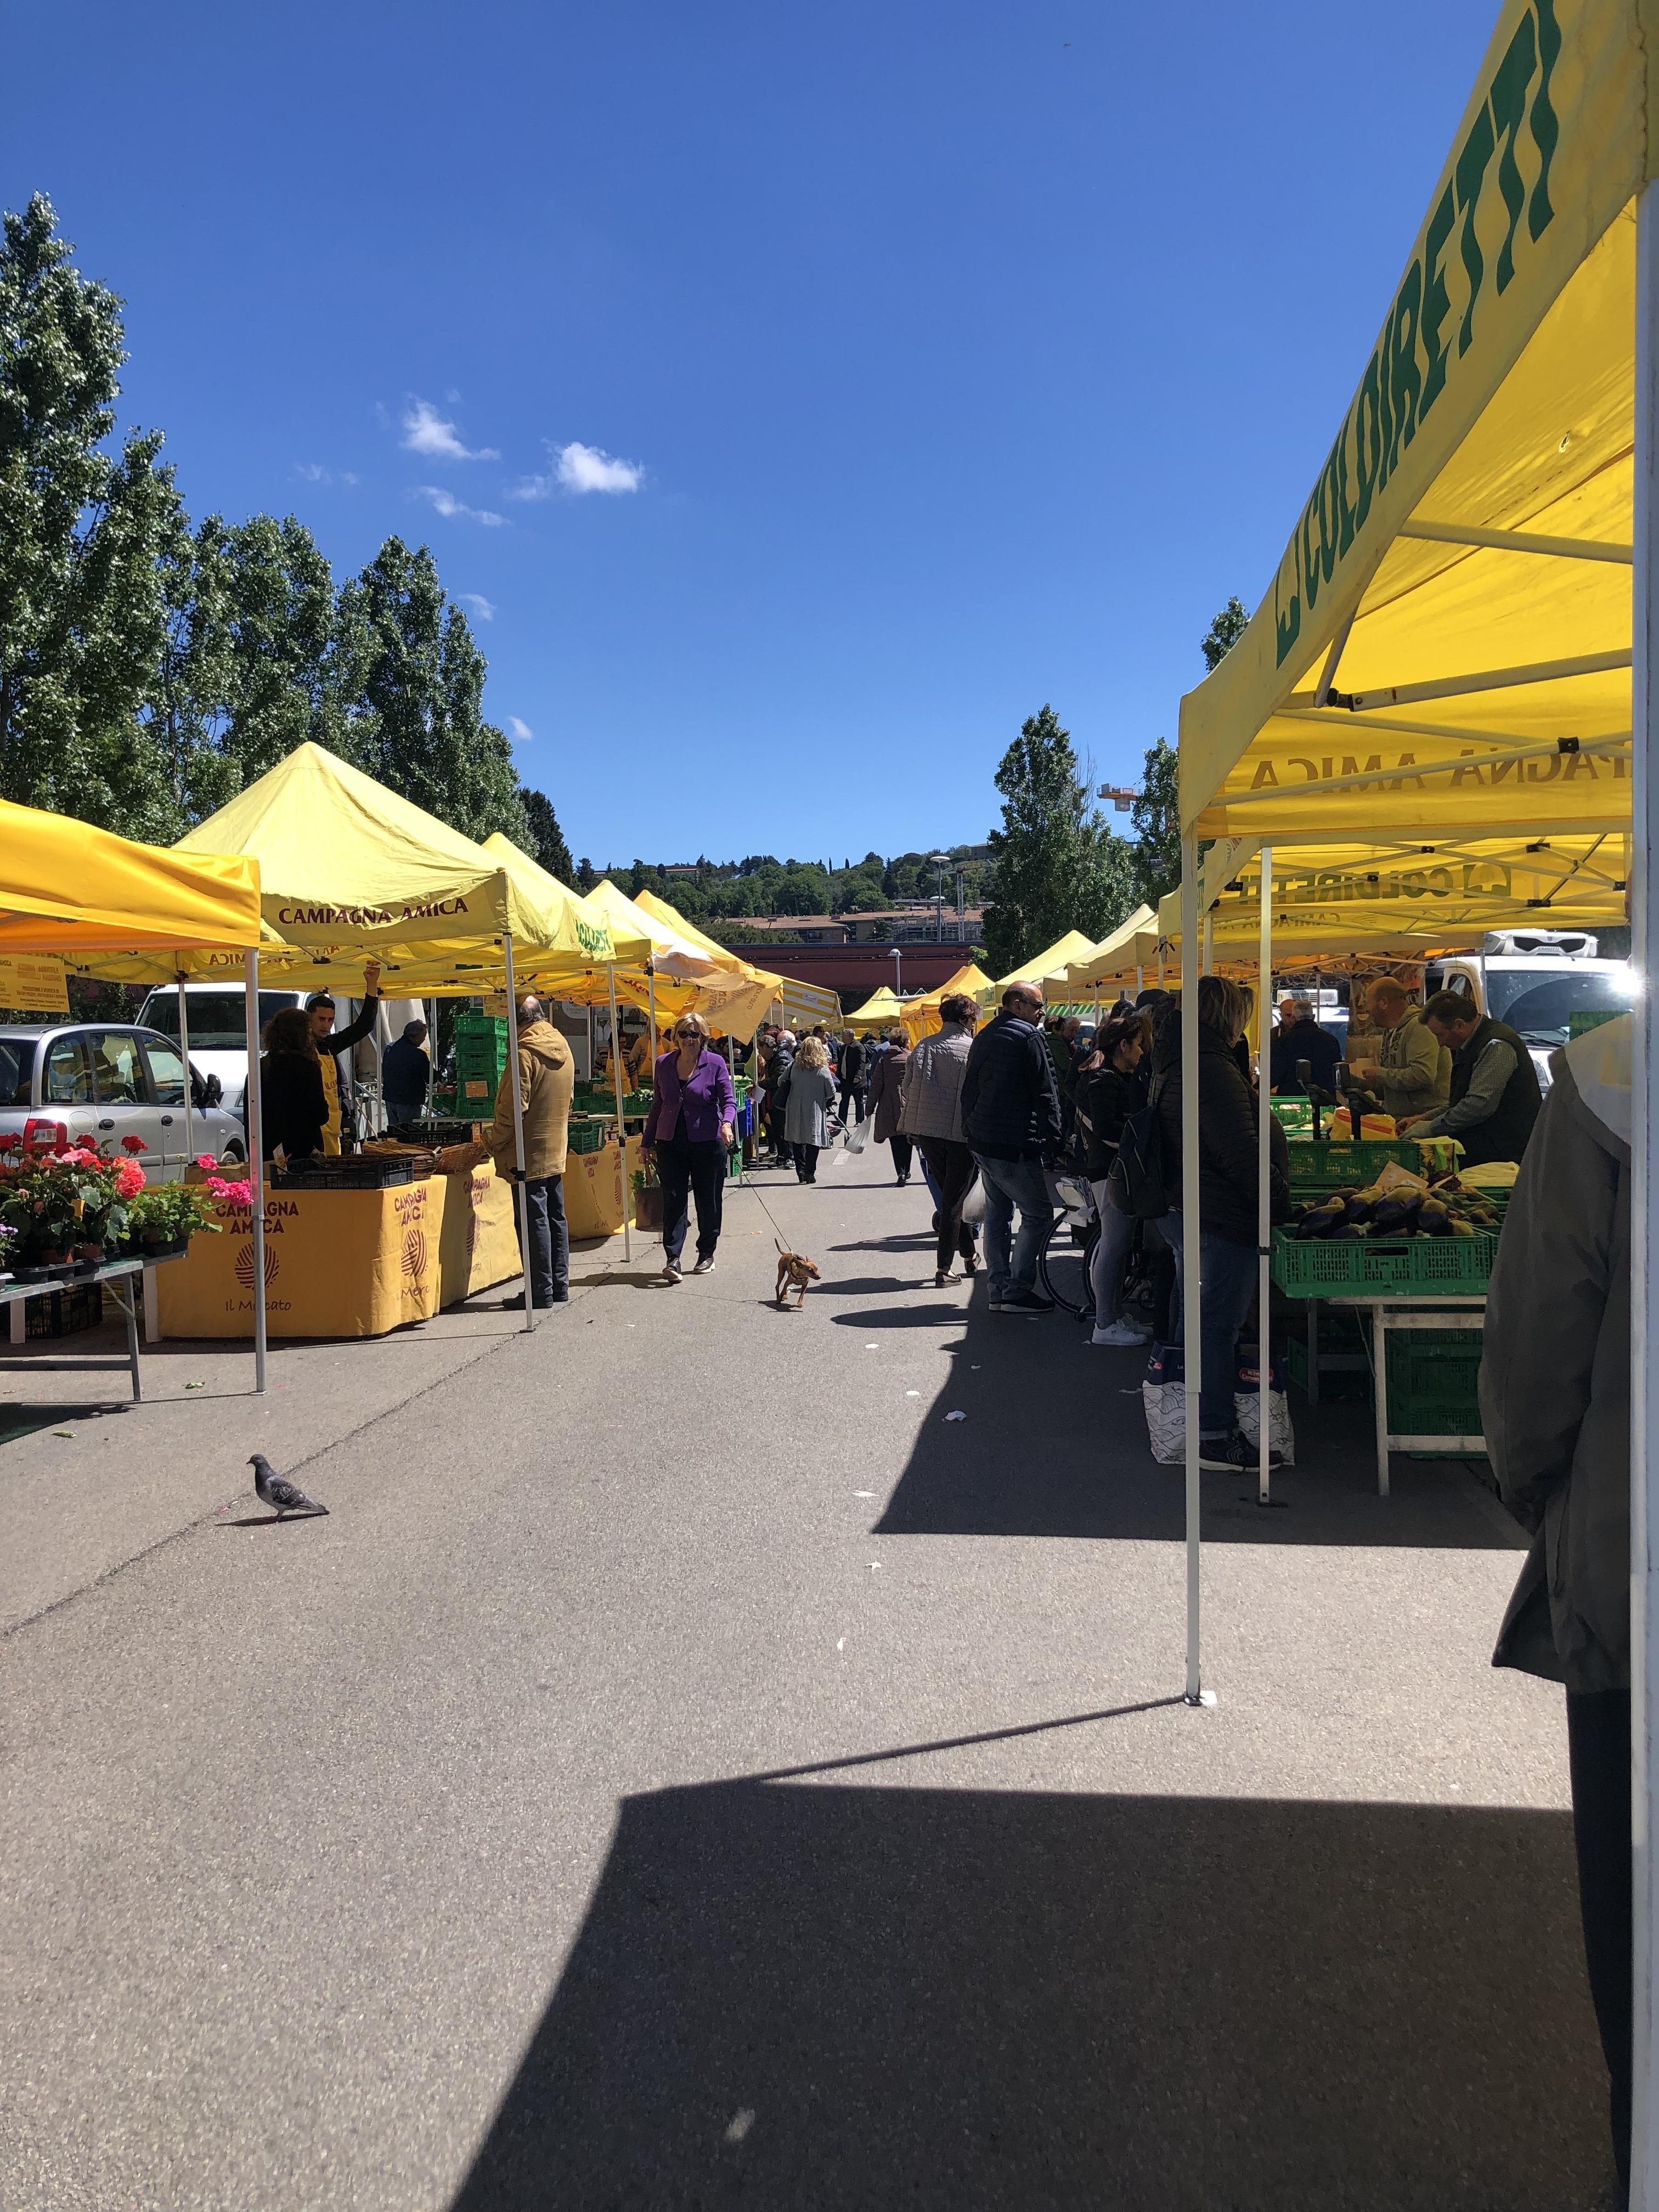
[689, 1130]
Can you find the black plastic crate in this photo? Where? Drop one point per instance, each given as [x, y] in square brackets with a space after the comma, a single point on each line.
[77, 1306]
[346, 1171]
[438, 1132]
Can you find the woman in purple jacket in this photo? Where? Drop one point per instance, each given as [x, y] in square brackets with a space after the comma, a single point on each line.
[689, 1128]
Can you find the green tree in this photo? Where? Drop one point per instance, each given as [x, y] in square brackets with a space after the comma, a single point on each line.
[1058, 866]
[412, 683]
[83, 534]
[1155, 864]
[1223, 633]
[547, 843]
[587, 875]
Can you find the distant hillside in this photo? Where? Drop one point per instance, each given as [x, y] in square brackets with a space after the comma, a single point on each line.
[721, 890]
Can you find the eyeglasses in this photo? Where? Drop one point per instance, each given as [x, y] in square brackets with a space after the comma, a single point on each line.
[686, 1036]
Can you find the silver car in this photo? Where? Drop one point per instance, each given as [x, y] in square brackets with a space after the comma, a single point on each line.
[102, 1081]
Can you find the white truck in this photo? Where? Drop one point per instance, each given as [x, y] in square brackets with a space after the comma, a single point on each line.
[216, 1014]
[1536, 980]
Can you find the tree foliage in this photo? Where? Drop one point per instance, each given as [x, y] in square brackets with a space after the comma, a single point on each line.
[1057, 864]
[1223, 633]
[148, 671]
[547, 843]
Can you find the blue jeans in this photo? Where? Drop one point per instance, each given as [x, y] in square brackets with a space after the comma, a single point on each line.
[549, 1238]
[1227, 1278]
[1008, 1184]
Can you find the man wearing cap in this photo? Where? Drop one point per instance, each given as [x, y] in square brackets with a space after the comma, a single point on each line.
[330, 1043]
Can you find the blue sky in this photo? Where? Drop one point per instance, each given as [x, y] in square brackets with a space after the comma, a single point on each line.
[883, 371]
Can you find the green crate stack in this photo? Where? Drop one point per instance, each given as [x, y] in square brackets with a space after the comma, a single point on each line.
[1338, 1333]
[1294, 1114]
[1433, 1382]
[590, 1133]
[1377, 1266]
[480, 1061]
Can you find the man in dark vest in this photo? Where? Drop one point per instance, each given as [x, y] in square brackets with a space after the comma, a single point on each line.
[1494, 1086]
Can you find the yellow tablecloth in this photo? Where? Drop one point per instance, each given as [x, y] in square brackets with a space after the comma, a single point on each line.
[346, 1262]
[594, 1190]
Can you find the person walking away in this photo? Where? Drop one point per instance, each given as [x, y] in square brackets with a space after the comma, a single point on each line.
[854, 1059]
[1106, 1095]
[1402, 1060]
[930, 1113]
[406, 1074]
[1555, 1395]
[1228, 1187]
[331, 1042]
[689, 1128]
[1300, 1037]
[779, 1072]
[293, 1101]
[1010, 1118]
[812, 1100]
[546, 1079]
[1493, 1097]
[886, 1100]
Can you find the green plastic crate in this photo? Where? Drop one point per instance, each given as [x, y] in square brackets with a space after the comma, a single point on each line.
[469, 1027]
[590, 1136]
[1434, 1382]
[1334, 1382]
[1374, 1266]
[1292, 1112]
[1320, 1164]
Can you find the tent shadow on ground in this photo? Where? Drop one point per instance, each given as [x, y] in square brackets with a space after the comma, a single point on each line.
[1054, 1445]
[866, 1996]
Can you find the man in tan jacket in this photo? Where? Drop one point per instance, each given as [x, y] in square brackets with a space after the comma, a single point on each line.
[546, 1079]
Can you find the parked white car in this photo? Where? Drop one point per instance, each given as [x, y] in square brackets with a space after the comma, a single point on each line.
[101, 1081]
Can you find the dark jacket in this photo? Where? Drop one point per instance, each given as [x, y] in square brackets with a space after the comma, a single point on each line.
[1105, 1097]
[853, 1057]
[777, 1071]
[1227, 1135]
[1304, 1041]
[887, 1092]
[293, 1104]
[1555, 1373]
[1504, 1134]
[405, 1072]
[1010, 1100]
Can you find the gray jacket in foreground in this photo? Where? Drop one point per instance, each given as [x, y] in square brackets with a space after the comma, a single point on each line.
[932, 1102]
[1555, 1373]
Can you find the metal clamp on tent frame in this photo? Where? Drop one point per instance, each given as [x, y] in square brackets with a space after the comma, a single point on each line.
[1485, 680]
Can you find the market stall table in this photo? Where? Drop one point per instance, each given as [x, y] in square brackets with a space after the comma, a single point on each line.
[116, 1275]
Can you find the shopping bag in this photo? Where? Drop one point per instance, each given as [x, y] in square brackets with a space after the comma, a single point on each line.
[1163, 1394]
[972, 1207]
[859, 1137]
[1247, 1402]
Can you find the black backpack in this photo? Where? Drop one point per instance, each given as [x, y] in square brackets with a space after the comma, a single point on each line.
[1137, 1185]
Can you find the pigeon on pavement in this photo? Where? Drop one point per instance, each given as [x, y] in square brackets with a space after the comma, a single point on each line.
[276, 1490]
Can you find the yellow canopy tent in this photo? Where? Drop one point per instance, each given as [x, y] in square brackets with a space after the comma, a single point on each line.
[882, 1010]
[1109, 963]
[67, 888]
[1456, 642]
[1053, 960]
[922, 1015]
[798, 1004]
[690, 974]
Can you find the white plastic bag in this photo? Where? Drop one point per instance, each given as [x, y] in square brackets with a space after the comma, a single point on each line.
[1247, 1399]
[859, 1137]
[972, 1207]
[1163, 1394]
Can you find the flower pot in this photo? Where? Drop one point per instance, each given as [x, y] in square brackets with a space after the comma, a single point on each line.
[89, 1254]
[163, 1248]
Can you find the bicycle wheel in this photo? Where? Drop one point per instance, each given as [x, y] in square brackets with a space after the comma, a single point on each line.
[1064, 1263]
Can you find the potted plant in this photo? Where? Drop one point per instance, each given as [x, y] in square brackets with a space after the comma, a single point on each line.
[67, 1206]
[164, 1217]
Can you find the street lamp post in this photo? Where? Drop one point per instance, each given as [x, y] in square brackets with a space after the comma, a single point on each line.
[939, 862]
[898, 973]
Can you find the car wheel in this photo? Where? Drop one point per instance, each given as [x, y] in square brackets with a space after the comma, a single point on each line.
[233, 1151]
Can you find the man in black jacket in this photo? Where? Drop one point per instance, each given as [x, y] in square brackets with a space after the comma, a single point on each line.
[331, 1042]
[1495, 1094]
[1011, 1117]
[852, 1073]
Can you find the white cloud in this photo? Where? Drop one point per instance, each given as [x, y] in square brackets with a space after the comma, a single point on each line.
[480, 606]
[577, 468]
[425, 431]
[449, 507]
[522, 732]
[349, 477]
[312, 472]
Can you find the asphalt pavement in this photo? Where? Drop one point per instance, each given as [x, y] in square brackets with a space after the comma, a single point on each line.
[687, 1770]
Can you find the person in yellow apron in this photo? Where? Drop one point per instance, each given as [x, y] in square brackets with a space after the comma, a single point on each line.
[330, 1043]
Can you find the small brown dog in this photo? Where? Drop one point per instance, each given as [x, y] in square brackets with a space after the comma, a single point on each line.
[795, 1272]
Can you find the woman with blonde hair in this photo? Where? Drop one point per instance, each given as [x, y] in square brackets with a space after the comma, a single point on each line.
[689, 1131]
[806, 1113]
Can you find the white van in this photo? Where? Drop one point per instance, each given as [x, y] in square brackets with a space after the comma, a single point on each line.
[218, 1019]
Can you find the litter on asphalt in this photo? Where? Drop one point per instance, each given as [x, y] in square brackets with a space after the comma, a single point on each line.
[956, 1416]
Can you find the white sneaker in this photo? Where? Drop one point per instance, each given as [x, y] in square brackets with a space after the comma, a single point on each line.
[1119, 1333]
[705, 1267]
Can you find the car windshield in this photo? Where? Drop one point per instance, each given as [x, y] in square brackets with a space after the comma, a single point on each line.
[16, 1069]
[1539, 1003]
[218, 1021]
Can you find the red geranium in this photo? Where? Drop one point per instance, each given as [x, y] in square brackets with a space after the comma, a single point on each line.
[132, 1144]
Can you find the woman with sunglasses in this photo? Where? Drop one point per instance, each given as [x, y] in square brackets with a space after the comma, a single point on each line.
[689, 1128]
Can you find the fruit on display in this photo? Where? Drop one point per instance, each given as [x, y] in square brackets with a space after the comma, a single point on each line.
[1399, 1208]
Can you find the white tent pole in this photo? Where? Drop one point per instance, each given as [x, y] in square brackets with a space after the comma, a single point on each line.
[1264, 1115]
[518, 1123]
[1160, 964]
[1190, 1286]
[1644, 1162]
[256, 1152]
[1140, 984]
[184, 1054]
[622, 1132]
[1209, 943]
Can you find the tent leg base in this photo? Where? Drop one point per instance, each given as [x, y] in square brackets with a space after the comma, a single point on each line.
[1270, 1505]
[1200, 1698]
